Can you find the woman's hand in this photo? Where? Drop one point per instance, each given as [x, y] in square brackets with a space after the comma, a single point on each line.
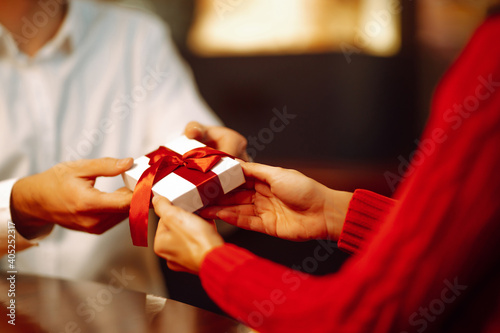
[182, 238]
[283, 203]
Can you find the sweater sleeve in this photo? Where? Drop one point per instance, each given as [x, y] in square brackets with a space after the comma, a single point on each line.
[436, 252]
[366, 211]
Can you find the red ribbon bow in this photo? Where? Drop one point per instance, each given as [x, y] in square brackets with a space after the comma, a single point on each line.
[194, 166]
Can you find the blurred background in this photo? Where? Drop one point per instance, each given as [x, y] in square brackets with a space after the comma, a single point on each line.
[338, 89]
[357, 74]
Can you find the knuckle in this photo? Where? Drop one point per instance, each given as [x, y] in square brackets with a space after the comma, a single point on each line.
[73, 166]
[157, 249]
[60, 170]
[80, 206]
[92, 226]
[84, 224]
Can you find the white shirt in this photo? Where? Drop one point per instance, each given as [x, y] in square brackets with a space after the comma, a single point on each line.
[110, 83]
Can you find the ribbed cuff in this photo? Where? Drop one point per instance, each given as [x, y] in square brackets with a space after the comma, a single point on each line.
[217, 268]
[366, 211]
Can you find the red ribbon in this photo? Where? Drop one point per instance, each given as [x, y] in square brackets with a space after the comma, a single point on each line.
[194, 166]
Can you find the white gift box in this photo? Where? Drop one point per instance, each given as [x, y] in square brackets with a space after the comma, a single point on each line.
[181, 192]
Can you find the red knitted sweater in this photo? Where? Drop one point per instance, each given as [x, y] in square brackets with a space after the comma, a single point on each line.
[431, 261]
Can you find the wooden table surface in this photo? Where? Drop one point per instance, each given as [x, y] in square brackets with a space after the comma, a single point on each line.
[60, 306]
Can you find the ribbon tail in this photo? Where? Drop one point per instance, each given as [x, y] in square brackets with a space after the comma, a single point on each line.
[139, 206]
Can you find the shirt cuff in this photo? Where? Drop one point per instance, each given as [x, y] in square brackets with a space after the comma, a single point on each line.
[366, 211]
[7, 227]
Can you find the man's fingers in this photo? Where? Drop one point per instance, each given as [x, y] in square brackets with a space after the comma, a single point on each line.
[195, 130]
[227, 140]
[118, 201]
[107, 166]
[108, 221]
[219, 137]
[124, 190]
[97, 222]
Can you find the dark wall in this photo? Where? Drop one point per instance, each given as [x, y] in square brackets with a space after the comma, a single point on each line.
[359, 111]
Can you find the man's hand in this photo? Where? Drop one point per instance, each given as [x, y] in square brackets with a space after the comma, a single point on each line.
[65, 195]
[283, 203]
[182, 238]
[220, 138]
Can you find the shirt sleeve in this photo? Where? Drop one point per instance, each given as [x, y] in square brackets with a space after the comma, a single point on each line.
[175, 98]
[7, 227]
[366, 211]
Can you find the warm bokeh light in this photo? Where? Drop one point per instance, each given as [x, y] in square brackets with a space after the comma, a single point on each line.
[444, 27]
[246, 27]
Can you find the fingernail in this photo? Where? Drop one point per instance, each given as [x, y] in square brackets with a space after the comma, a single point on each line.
[198, 130]
[155, 199]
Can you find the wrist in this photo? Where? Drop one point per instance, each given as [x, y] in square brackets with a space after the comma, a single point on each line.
[21, 210]
[207, 250]
[336, 207]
